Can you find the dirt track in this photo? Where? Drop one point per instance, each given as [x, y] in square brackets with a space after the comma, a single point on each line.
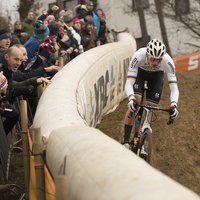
[176, 148]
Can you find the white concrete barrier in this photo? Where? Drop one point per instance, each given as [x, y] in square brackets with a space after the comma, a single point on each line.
[96, 166]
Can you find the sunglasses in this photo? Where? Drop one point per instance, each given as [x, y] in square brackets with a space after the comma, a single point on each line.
[154, 59]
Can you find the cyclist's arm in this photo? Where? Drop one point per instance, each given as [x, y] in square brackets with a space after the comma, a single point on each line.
[130, 81]
[136, 61]
[173, 88]
[171, 76]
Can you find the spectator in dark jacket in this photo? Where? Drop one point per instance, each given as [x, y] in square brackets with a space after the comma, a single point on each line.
[102, 30]
[85, 9]
[5, 38]
[10, 62]
[86, 35]
[19, 36]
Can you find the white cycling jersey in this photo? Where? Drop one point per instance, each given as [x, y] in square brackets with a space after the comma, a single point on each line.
[139, 60]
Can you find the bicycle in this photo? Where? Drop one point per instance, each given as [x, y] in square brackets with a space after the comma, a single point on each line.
[141, 143]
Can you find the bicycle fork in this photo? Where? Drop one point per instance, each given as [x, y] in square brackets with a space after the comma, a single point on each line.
[145, 125]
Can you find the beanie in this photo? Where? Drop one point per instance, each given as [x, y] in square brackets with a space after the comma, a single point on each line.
[89, 22]
[67, 18]
[4, 82]
[76, 20]
[98, 9]
[40, 30]
[89, 3]
[89, 13]
[53, 28]
[4, 34]
[50, 17]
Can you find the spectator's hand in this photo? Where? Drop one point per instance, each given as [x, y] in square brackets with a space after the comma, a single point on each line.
[54, 8]
[132, 105]
[63, 52]
[57, 62]
[3, 106]
[69, 50]
[48, 69]
[42, 79]
[65, 38]
[76, 50]
[1, 76]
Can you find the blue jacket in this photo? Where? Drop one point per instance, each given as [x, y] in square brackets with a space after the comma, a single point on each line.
[96, 20]
[32, 47]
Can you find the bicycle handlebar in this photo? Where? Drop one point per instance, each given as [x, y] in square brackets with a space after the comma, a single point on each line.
[170, 111]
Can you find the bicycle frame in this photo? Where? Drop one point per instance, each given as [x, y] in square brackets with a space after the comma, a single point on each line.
[139, 133]
[145, 125]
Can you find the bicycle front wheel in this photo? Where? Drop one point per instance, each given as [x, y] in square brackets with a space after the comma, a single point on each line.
[146, 146]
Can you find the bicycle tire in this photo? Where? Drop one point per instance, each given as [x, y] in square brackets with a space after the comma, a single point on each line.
[147, 142]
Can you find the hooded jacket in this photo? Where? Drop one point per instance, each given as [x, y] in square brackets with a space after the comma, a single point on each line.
[28, 26]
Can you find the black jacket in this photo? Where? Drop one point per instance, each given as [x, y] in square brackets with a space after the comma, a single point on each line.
[18, 75]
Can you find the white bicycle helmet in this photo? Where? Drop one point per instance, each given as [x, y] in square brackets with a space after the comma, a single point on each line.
[156, 49]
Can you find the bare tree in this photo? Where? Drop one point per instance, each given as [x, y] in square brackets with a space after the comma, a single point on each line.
[95, 3]
[142, 22]
[185, 20]
[26, 5]
[162, 25]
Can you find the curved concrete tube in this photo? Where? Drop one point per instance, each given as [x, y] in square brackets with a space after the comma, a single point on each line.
[96, 166]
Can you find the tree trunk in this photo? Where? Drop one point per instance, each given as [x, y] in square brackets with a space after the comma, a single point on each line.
[59, 3]
[95, 3]
[145, 37]
[162, 25]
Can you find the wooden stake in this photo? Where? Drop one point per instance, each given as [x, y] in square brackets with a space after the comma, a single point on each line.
[61, 61]
[61, 187]
[39, 163]
[24, 124]
[98, 43]
[40, 90]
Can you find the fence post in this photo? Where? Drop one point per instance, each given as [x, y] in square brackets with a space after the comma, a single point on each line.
[39, 163]
[98, 43]
[60, 61]
[40, 90]
[24, 124]
[61, 185]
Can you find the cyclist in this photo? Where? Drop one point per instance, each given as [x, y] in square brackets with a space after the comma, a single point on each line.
[148, 64]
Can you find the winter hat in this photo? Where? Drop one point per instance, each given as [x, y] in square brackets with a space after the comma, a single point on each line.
[67, 18]
[4, 82]
[40, 30]
[98, 9]
[89, 22]
[53, 28]
[50, 16]
[89, 3]
[4, 34]
[76, 20]
[89, 13]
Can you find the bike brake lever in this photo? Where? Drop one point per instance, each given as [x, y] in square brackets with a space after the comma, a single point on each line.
[170, 121]
[130, 114]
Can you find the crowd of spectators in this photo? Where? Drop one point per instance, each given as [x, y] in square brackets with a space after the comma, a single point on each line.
[29, 55]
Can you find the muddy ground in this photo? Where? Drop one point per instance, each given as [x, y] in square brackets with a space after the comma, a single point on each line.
[176, 148]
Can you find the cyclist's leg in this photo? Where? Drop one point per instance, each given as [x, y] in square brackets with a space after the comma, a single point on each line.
[138, 91]
[155, 86]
